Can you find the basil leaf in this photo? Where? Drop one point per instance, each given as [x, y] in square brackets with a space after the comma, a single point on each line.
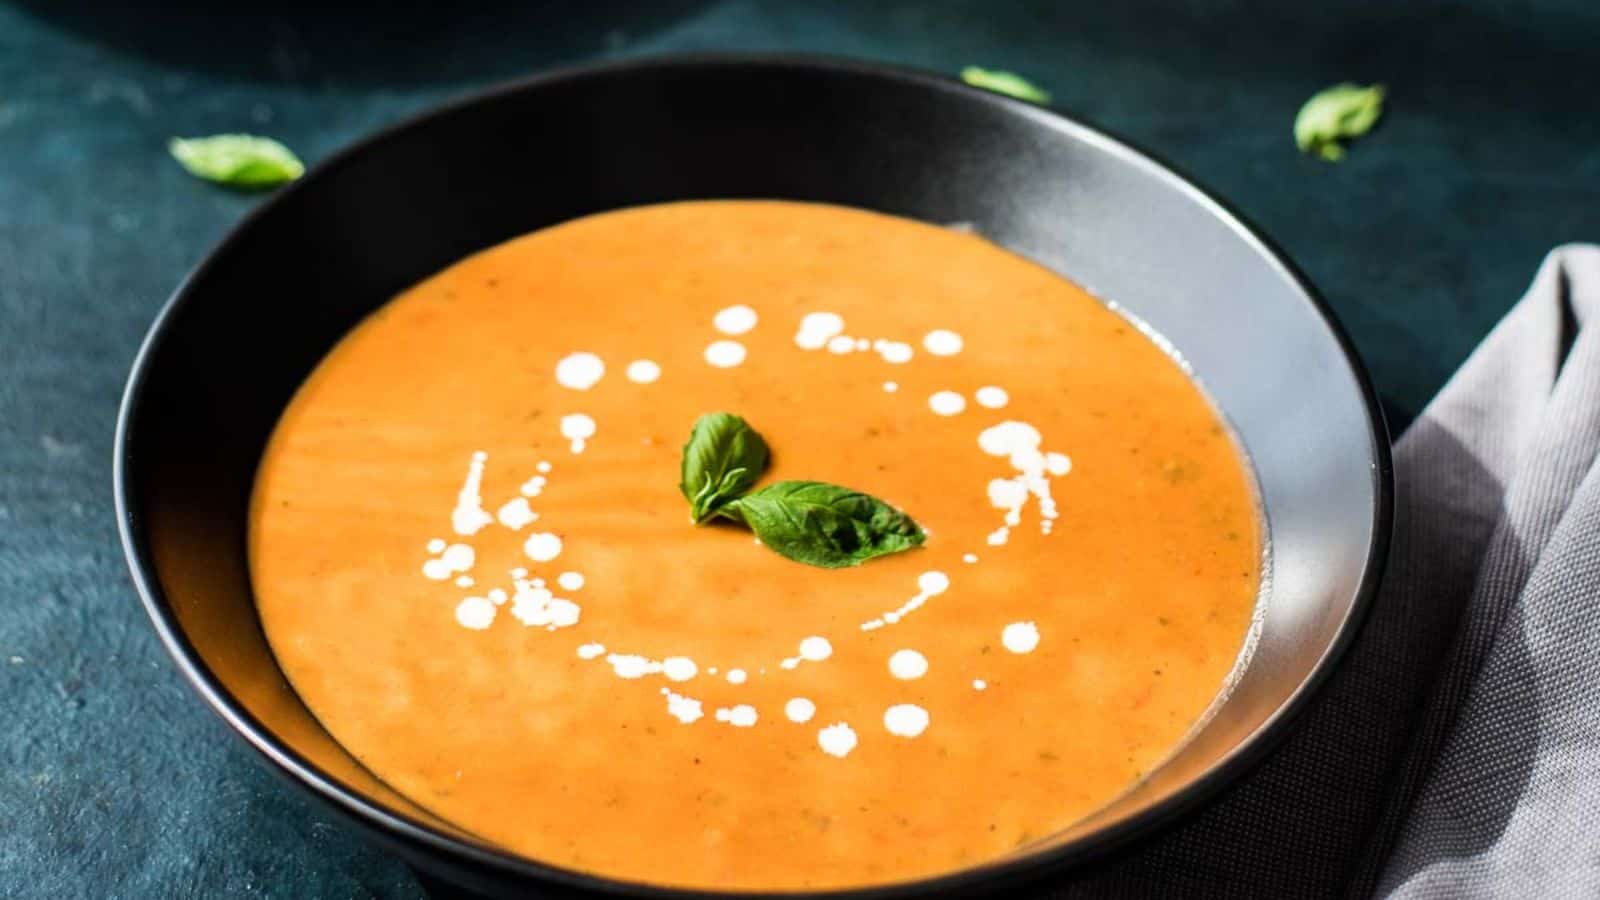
[723, 458]
[823, 524]
[1008, 83]
[1338, 113]
[237, 160]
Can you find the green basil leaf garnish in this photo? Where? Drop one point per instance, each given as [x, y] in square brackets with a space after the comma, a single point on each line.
[1008, 83]
[237, 160]
[1341, 112]
[723, 459]
[823, 524]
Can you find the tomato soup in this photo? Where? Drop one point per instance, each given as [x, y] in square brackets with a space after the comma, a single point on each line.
[473, 560]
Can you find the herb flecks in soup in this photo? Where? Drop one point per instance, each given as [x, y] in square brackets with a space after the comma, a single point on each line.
[473, 556]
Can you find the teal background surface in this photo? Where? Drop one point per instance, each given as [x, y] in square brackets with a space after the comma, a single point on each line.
[114, 781]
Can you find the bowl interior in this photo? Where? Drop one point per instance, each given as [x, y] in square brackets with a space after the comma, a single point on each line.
[250, 324]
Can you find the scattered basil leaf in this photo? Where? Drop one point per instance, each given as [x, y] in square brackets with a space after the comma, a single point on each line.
[237, 160]
[824, 525]
[1341, 112]
[723, 459]
[1008, 83]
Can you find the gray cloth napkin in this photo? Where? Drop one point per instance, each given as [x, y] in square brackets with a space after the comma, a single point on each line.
[1456, 751]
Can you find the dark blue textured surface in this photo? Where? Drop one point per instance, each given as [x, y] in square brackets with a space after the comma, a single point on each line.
[113, 779]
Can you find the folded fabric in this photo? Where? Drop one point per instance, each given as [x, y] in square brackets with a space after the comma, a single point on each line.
[1456, 751]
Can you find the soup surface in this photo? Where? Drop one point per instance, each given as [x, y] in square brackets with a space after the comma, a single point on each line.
[473, 561]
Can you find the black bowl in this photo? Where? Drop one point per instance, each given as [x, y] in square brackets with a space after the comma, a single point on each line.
[240, 334]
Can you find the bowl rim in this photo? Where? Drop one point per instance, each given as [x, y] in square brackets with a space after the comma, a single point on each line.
[396, 828]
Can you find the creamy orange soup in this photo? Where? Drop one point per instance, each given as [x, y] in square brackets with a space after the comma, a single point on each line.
[473, 562]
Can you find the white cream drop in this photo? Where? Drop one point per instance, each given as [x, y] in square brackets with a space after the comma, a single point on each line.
[799, 710]
[516, 514]
[817, 328]
[969, 558]
[497, 597]
[941, 342]
[679, 668]
[837, 739]
[725, 354]
[631, 665]
[570, 581]
[890, 387]
[534, 486]
[577, 428]
[991, 397]
[929, 584]
[741, 716]
[591, 651]
[643, 371]
[476, 613]
[737, 676]
[841, 344]
[580, 371]
[685, 709]
[455, 559]
[895, 352]
[905, 720]
[469, 516]
[947, 403]
[1020, 637]
[978, 684]
[436, 545]
[465, 581]
[543, 467]
[908, 665]
[736, 319]
[535, 605]
[815, 649]
[1019, 443]
[542, 546]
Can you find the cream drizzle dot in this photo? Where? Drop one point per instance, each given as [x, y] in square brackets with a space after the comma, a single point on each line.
[978, 684]
[469, 516]
[542, 546]
[737, 676]
[969, 558]
[890, 387]
[678, 668]
[577, 428]
[643, 371]
[741, 716]
[459, 557]
[570, 581]
[799, 710]
[736, 319]
[436, 545]
[465, 581]
[591, 651]
[516, 513]
[725, 354]
[908, 665]
[580, 371]
[947, 403]
[841, 344]
[991, 397]
[497, 597]
[837, 739]
[894, 352]
[905, 720]
[941, 342]
[543, 467]
[817, 328]
[1020, 637]
[685, 709]
[476, 613]
[815, 649]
